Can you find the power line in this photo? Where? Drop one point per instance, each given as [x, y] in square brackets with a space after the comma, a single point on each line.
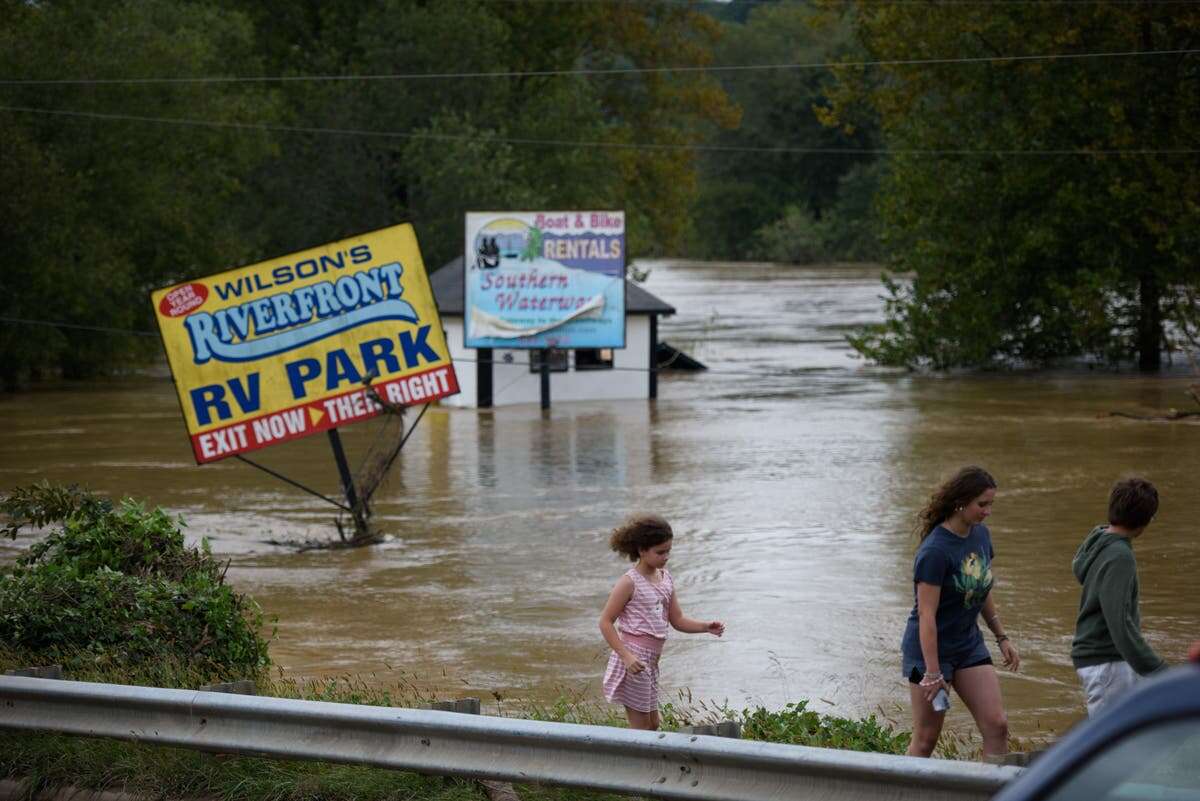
[415, 76]
[500, 362]
[570, 143]
[54, 324]
[720, 3]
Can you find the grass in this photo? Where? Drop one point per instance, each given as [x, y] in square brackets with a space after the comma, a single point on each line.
[155, 772]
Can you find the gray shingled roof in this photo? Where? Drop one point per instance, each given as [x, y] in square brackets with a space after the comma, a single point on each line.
[447, 285]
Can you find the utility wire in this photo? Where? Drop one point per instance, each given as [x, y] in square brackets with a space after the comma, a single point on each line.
[53, 324]
[720, 4]
[659, 147]
[416, 76]
[500, 362]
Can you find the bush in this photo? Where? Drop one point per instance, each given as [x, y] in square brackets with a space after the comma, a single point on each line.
[795, 724]
[798, 725]
[846, 231]
[117, 587]
[795, 238]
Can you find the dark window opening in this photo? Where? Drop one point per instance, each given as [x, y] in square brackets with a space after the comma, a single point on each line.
[555, 357]
[594, 359]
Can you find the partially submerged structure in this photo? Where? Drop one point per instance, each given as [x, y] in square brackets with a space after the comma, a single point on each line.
[500, 377]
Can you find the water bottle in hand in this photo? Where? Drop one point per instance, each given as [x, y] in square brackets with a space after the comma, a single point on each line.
[941, 700]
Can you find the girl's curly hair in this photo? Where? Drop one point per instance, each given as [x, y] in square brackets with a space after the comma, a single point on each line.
[963, 487]
[639, 533]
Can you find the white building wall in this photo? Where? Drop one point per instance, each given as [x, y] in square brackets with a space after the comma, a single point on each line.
[464, 370]
[513, 383]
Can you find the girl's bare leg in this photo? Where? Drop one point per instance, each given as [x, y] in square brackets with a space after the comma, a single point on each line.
[927, 724]
[647, 721]
[980, 690]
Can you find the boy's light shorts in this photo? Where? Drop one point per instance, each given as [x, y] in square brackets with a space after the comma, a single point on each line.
[1105, 683]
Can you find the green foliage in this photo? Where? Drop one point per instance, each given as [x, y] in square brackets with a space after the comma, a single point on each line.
[117, 587]
[347, 689]
[44, 503]
[798, 725]
[786, 206]
[845, 232]
[155, 772]
[453, 145]
[99, 210]
[795, 724]
[1068, 229]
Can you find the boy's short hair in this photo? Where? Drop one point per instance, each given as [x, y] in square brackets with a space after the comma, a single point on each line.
[1132, 503]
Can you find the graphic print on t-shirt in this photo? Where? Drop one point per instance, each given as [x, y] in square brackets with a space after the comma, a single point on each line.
[974, 580]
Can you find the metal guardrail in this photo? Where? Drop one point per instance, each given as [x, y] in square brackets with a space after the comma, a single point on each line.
[659, 764]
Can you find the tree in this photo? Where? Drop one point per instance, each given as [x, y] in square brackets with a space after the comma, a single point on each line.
[470, 143]
[113, 204]
[1055, 215]
[770, 205]
[845, 231]
[98, 211]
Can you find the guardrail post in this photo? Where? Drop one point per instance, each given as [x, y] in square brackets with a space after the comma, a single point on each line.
[42, 672]
[467, 706]
[496, 791]
[1020, 759]
[239, 687]
[726, 728]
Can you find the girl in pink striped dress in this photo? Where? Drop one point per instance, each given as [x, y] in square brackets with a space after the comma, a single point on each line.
[642, 605]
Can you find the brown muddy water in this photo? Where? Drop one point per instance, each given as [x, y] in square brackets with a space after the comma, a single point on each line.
[791, 472]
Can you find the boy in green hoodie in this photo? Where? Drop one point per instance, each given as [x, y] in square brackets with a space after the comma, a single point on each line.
[1108, 650]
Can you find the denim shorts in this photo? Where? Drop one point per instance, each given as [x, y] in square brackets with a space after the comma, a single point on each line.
[979, 655]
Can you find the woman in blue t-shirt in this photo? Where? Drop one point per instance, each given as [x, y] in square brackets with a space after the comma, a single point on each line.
[952, 582]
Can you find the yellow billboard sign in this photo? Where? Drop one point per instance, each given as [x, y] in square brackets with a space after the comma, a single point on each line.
[283, 348]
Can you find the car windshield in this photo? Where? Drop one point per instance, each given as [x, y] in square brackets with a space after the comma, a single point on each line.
[1160, 763]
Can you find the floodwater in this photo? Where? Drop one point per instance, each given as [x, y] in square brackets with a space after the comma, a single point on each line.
[790, 470]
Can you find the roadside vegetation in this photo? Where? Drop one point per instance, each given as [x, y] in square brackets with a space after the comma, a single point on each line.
[113, 588]
[113, 594]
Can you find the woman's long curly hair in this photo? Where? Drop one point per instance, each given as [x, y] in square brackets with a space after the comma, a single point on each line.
[963, 487]
[639, 533]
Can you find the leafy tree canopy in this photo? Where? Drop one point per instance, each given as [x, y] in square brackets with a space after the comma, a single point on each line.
[1069, 227]
[102, 210]
[761, 204]
[472, 143]
[98, 211]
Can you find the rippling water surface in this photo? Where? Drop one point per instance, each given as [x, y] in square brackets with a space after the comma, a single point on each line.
[791, 472]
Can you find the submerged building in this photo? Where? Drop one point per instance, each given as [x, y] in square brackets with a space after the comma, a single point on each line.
[491, 377]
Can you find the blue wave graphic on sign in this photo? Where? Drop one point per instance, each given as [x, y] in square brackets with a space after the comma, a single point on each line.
[393, 309]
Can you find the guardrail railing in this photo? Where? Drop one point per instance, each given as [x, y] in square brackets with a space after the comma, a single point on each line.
[658, 764]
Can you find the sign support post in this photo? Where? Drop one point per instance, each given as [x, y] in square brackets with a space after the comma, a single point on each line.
[544, 371]
[357, 510]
